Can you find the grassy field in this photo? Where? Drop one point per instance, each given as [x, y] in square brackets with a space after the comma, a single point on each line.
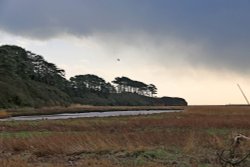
[188, 139]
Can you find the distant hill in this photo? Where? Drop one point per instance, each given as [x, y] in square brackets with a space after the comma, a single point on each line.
[28, 80]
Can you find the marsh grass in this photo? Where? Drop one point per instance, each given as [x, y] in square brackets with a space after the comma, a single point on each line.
[190, 138]
[4, 114]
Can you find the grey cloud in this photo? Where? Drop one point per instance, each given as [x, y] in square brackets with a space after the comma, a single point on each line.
[222, 24]
[48, 18]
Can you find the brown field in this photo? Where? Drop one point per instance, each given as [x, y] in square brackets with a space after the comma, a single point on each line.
[188, 139]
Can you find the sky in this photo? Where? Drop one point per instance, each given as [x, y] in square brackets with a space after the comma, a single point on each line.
[197, 50]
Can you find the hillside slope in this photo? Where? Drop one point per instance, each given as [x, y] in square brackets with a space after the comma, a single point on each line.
[16, 92]
[27, 80]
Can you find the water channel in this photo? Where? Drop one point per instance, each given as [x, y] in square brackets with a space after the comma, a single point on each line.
[86, 115]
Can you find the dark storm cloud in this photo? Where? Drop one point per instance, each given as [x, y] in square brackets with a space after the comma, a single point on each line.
[223, 24]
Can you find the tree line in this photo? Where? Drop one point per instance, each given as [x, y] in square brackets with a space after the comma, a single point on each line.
[17, 62]
[27, 79]
[125, 84]
[90, 82]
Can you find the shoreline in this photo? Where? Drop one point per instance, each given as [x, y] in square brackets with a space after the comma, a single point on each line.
[65, 116]
[6, 113]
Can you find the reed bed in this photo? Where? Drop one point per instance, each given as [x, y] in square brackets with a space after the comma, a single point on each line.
[169, 139]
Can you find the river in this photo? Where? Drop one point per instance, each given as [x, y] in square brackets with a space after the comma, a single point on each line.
[86, 115]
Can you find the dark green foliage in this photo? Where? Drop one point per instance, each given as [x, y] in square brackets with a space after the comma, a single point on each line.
[88, 83]
[173, 101]
[27, 79]
[125, 84]
[152, 89]
[129, 99]
[17, 92]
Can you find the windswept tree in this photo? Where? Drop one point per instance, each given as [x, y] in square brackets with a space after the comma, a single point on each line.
[17, 61]
[6, 63]
[141, 88]
[14, 61]
[33, 82]
[108, 88]
[152, 89]
[125, 84]
[91, 82]
[46, 72]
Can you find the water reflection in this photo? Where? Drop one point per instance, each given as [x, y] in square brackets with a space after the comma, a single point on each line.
[86, 115]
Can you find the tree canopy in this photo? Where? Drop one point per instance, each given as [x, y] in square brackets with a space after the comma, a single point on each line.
[28, 79]
[125, 84]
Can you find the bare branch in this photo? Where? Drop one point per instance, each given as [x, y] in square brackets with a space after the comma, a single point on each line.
[232, 160]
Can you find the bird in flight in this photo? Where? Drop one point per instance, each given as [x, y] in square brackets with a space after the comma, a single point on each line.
[118, 59]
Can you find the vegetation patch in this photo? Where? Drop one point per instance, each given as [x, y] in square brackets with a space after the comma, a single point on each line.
[169, 139]
[28, 80]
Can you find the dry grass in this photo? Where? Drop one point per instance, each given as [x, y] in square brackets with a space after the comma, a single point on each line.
[190, 138]
[4, 114]
[13, 162]
[220, 109]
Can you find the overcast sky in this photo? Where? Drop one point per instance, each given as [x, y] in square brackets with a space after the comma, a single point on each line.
[198, 50]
